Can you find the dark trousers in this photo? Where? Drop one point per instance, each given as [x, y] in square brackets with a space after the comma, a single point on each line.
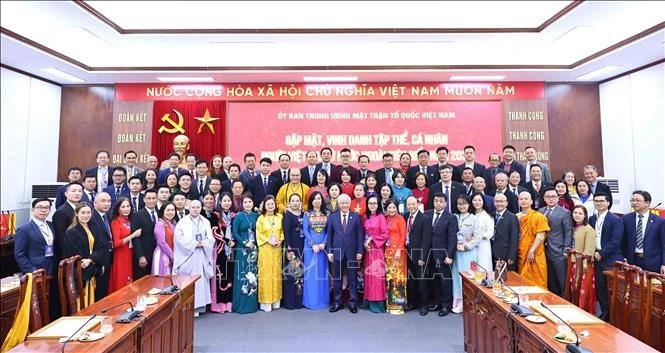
[352, 273]
[140, 272]
[416, 284]
[639, 262]
[602, 294]
[556, 274]
[443, 284]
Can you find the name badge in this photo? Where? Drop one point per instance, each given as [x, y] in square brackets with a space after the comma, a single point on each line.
[48, 250]
[199, 236]
[251, 235]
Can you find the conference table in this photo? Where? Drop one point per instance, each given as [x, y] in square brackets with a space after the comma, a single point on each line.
[489, 325]
[167, 326]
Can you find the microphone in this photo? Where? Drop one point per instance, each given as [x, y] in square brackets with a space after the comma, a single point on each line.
[519, 309]
[170, 289]
[570, 348]
[77, 330]
[125, 317]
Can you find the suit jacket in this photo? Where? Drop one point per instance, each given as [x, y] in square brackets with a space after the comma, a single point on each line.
[560, 236]
[361, 176]
[259, 192]
[478, 170]
[140, 201]
[304, 176]
[76, 243]
[161, 177]
[611, 238]
[277, 178]
[319, 166]
[537, 195]
[84, 196]
[506, 237]
[206, 185]
[29, 249]
[245, 176]
[145, 244]
[514, 165]
[228, 183]
[444, 235]
[337, 174]
[62, 218]
[654, 241]
[222, 176]
[60, 197]
[437, 177]
[345, 243]
[513, 204]
[124, 191]
[489, 179]
[93, 172]
[456, 189]
[431, 171]
[381, 176]
[136, 171]
[547, 176]
[97, 227]
[419, 238]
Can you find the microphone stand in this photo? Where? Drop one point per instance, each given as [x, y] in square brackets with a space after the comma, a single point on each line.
[485, 282]
[127, 316]
[77, 330]
[570, 348]
[519, 309]
[170, 289]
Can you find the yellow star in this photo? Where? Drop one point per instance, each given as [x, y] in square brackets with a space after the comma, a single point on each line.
[207, 121]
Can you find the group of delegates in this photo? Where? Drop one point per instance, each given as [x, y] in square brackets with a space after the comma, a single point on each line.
[265, 239]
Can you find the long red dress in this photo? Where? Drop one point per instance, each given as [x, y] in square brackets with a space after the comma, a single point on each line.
[121, 270]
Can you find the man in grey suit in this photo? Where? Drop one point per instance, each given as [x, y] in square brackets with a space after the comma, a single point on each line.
[130, 164]
[532, 158]
[559, 240]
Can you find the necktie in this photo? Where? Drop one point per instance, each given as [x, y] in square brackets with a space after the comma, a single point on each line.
[389, 177]
[106, 224]
[593, 189]
[436, 219]
[117, 192]
[408, 229]
[548, 212]
[265, 184]
[311, 175]
[363, 175]
[135, 203]
[251, 173]
[515, 191]
[325, 167]
[422, 170]
[284, 176]
[91, 196]
[181, 214]
[154, 218]
[447, 198]
[537, 186]
[201, 186]
[130, 172]
[497, 217]
[344, 222]
[639, 234]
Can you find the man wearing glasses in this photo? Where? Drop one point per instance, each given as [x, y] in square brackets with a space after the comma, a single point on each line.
[119, 186]
[559, 239]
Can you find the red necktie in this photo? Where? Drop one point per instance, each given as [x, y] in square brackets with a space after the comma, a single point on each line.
[344, 222]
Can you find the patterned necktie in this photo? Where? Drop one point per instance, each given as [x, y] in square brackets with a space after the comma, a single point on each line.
[344, 222]
[638, 233]
[201, 186]
[284, 176]
[135, 203]
[408, 229]
[154, 218]
[436, 219]
[92, 197]
[265, 184]
[106, 224]
[117, 192]
[251, 173]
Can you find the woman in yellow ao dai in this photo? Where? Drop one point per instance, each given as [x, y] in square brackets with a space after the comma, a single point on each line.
[269, 238]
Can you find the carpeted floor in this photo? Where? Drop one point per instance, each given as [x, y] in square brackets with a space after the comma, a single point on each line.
[320, 331]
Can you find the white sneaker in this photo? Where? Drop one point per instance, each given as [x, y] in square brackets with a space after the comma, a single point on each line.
[457, 310]
[196, 314]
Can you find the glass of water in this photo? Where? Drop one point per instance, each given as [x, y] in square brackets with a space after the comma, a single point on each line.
[107, 325]
[140, 302]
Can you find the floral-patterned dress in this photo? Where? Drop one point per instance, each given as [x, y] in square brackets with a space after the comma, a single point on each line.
[396, 267]
[245, 274]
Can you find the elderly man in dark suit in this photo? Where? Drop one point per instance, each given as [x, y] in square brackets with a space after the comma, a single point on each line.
[345, 248]
[559, 239]
[506, 233]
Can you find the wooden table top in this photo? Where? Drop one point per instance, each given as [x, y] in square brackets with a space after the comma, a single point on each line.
[602, 337]
[128, 293]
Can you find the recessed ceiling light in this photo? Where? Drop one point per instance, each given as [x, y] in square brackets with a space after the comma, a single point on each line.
[597, 73]
[330, 78]
[477, 78]
[63, 75]
[186, 79]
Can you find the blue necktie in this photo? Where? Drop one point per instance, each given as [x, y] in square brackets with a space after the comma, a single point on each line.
[106, 224]
[447, 198]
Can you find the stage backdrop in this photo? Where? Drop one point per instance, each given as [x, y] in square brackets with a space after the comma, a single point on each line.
[370, 128]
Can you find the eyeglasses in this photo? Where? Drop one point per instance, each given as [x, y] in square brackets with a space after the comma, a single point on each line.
[551, 196]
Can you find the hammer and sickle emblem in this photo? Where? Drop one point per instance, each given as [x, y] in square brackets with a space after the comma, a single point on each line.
[174, 127]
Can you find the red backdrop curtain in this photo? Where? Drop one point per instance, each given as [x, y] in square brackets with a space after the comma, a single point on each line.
[203, 143]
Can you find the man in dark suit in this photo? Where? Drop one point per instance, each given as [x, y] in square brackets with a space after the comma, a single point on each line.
[185, 187]
[326, 164]
[64, 216]
[264, 183]
[610, 229]
[451, 189]
[591, 176]
[506, 234]
[444, 245]
[418, 242]
[34, 249]
[515, 183]
[119, 186]
[308, 172]
[537, 186]
[234, 173]
[501, 184]
[345, 250]
[100, 225]
[135, 197]
[130, 164]
[559, 240]
[363, 164]
[385, 175]
[201, 179]
[281, 175]
[101, 171]
[467, 180]
[73, 175]
[644, 235]
[491, 171]
[430, 171]
[509, 163]
[250, 168]
[345, 158]
[174, 162]
[180, 202]
[144, 245]
[89, 189]
[442, 160]
[470, 162]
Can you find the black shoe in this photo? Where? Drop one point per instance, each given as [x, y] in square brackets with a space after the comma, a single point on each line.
[443, 312]
[423, 311]
[353, 309]
[335, 308]
[409, 307]
[433, 307]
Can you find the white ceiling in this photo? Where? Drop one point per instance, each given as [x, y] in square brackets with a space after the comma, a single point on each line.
[107, 56]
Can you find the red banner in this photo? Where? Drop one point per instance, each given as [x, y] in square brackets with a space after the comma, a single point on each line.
[202, 121]
[330, 92]
[370, 128]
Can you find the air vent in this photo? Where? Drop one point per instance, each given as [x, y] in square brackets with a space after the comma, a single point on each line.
[45, 190]
[612, 183]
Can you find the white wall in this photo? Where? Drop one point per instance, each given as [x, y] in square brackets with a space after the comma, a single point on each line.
[29, 135]
[632, 114]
